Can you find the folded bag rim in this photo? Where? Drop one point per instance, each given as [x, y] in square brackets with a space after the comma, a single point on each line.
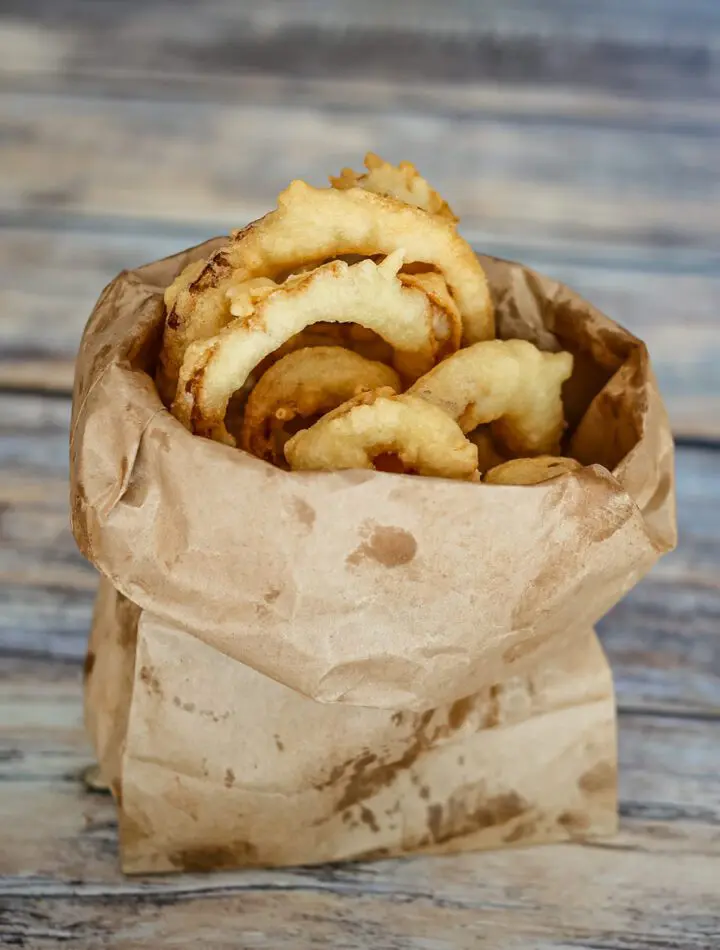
[126, 500]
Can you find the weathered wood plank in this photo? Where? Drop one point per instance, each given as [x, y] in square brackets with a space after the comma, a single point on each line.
[386, 922]
[529, 104]
[605, 904]
[62, 881]
[224, 164]
[645, 21]
[49, 282]
[662, 639]
[652, 48]
[33, 441]
[304, 918]
[46, 587]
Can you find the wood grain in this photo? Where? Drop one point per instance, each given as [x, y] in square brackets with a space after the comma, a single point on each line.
[658, 48]
[598, 903]
[224, 164]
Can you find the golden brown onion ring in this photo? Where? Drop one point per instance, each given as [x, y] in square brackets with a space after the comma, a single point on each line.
[448, 322]
[531, 471]
[507, 380]
[372, 425]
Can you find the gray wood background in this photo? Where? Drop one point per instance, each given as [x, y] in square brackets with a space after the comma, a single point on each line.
[581, 138]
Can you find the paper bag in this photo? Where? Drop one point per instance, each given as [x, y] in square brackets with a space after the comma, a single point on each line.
[301, 667]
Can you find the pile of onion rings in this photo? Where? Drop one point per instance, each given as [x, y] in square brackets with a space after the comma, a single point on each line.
[353, 327]
[303, 385]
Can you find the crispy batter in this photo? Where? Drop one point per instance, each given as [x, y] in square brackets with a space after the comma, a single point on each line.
[197, 308]
[244, 295]
[376, 425]
[366, 293]
[448, 322]
[506, 380]
[183, 280]
[311, 225]
[303, 384]
[166, 374]
[530, 471]
[402, 181]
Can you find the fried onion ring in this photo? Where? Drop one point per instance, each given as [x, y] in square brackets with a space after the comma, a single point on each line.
[373, 425]
[530, 471]
[402, 181]
[447, 323]
[507, 380]
[366, 293]
[303, 384]
[311, 225]
[187, 276]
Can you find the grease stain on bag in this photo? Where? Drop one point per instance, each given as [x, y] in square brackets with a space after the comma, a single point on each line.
[386, 545]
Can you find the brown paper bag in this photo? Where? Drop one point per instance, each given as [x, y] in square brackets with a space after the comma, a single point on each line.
[301, 667]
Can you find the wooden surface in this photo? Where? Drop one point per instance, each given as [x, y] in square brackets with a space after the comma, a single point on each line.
[581, 138]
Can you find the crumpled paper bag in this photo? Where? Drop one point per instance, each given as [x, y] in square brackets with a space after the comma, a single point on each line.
[301, 667]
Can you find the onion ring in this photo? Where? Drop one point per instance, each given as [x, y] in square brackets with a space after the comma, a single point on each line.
[424, 439]
[365, 293]
[530, 471]
[448, 322]
[303, 384]
[507, 380]
[187, 276]
[311, 225]
[402, 181]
